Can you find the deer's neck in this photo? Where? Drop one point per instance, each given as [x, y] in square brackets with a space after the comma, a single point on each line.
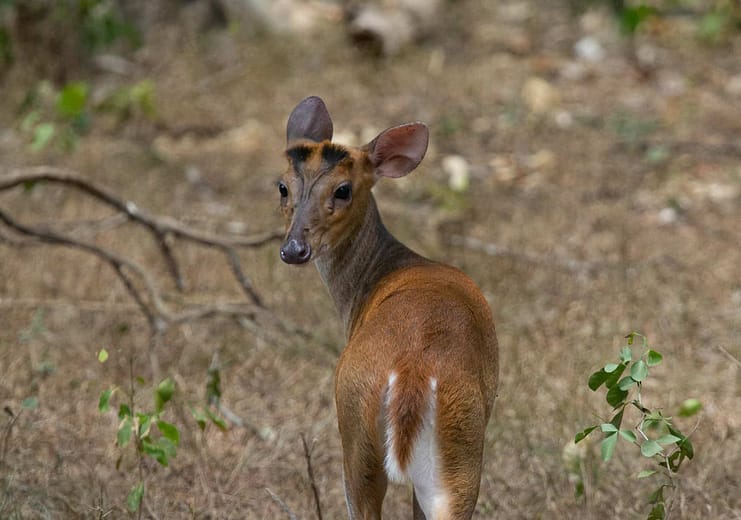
[352, 270]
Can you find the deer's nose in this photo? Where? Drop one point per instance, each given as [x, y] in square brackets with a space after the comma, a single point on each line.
[295, 252]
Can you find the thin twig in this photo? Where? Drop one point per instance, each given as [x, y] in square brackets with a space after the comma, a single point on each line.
[730, 356]
[284, 507]
[8, 430]
[312, 482]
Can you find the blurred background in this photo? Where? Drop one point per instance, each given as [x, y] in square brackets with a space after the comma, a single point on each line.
[584, 168]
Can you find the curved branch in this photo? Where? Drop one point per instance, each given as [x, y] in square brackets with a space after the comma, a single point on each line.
[162, 228]
[158, 315]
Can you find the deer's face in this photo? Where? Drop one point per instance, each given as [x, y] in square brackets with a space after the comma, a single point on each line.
[323, 195]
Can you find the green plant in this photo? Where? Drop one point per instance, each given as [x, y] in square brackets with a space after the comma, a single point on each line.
[146, 430]
[59, 117]
[131, 101]
[55, 116]
[655, 434]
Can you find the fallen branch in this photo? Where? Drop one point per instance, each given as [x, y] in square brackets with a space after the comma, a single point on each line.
[139, 283]
[160, 227]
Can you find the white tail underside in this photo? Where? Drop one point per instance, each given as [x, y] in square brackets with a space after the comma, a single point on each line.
[423, 469]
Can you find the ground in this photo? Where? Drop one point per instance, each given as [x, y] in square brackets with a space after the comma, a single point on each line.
[601, 195]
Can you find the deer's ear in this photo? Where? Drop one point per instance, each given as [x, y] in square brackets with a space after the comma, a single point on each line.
[398, 150]
[309, 120]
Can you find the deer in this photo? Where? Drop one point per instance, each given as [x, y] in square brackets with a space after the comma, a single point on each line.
[416, 381]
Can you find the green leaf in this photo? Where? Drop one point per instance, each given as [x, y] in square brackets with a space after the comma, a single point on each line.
[218, 421]
[134, 499]
[103, 355]
[581, 435]
[201, 418]
[42, 134]
[71, 100]
[653, 358]
[626, 354]
[617, 420]
[647, 473]
[145, 424]
[675, 460]
[608, 428]
[124, 432]
[657, 496]
[668, 439]
[657, 512]
[610, 367]
[632, 17]
[155, 451]
[163, 393]
[608, 446]
[30, 403]
[616, 397]
[596, 379]
[629, 436]
[614, 376]
[162, 451]
[168, 447]
[639, 370]
[684, 445]
[650, 448]
[105, 398]
[169, 431]
[124, 411]
[690, 407]
[626, 382]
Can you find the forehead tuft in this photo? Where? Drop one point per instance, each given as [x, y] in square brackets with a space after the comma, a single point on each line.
[319, 157]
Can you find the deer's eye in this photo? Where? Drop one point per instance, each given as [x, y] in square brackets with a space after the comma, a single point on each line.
[343, 192]
[283, 189]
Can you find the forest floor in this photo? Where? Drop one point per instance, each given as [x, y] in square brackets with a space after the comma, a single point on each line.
[603, 196]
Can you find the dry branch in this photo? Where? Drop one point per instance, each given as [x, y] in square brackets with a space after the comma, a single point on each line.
[312, 481]
[284, 507]
[159, 226]
[139, 283]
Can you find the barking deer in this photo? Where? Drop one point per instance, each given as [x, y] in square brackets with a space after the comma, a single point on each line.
[415, 384]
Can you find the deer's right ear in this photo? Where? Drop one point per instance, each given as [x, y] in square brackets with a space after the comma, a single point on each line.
[398, 150]
[309, 120]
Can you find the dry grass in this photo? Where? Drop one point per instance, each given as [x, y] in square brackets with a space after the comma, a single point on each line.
[586, 259]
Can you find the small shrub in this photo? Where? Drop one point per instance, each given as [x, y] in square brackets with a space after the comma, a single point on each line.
[655, 435]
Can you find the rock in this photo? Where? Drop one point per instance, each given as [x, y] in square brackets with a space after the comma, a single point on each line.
[282, 16]
[503, 168]
[539, 95]
[589, 50]
[563, 119]
[458, 171]
[668, 215]
[391, 25]
[733, 85]
[541, 160]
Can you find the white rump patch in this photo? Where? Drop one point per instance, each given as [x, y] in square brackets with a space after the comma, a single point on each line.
[424, 467]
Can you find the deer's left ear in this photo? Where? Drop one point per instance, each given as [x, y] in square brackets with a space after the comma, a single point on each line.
[398, 150]
[309, 120]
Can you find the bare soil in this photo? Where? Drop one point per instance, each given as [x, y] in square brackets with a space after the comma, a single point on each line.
[603, 197]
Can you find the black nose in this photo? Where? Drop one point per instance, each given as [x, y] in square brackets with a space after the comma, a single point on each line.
[295, 252]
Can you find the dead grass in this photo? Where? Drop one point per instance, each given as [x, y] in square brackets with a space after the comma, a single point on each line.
[597, 200]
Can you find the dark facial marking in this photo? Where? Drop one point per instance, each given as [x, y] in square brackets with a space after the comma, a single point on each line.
[298, 156]
[333, 154]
